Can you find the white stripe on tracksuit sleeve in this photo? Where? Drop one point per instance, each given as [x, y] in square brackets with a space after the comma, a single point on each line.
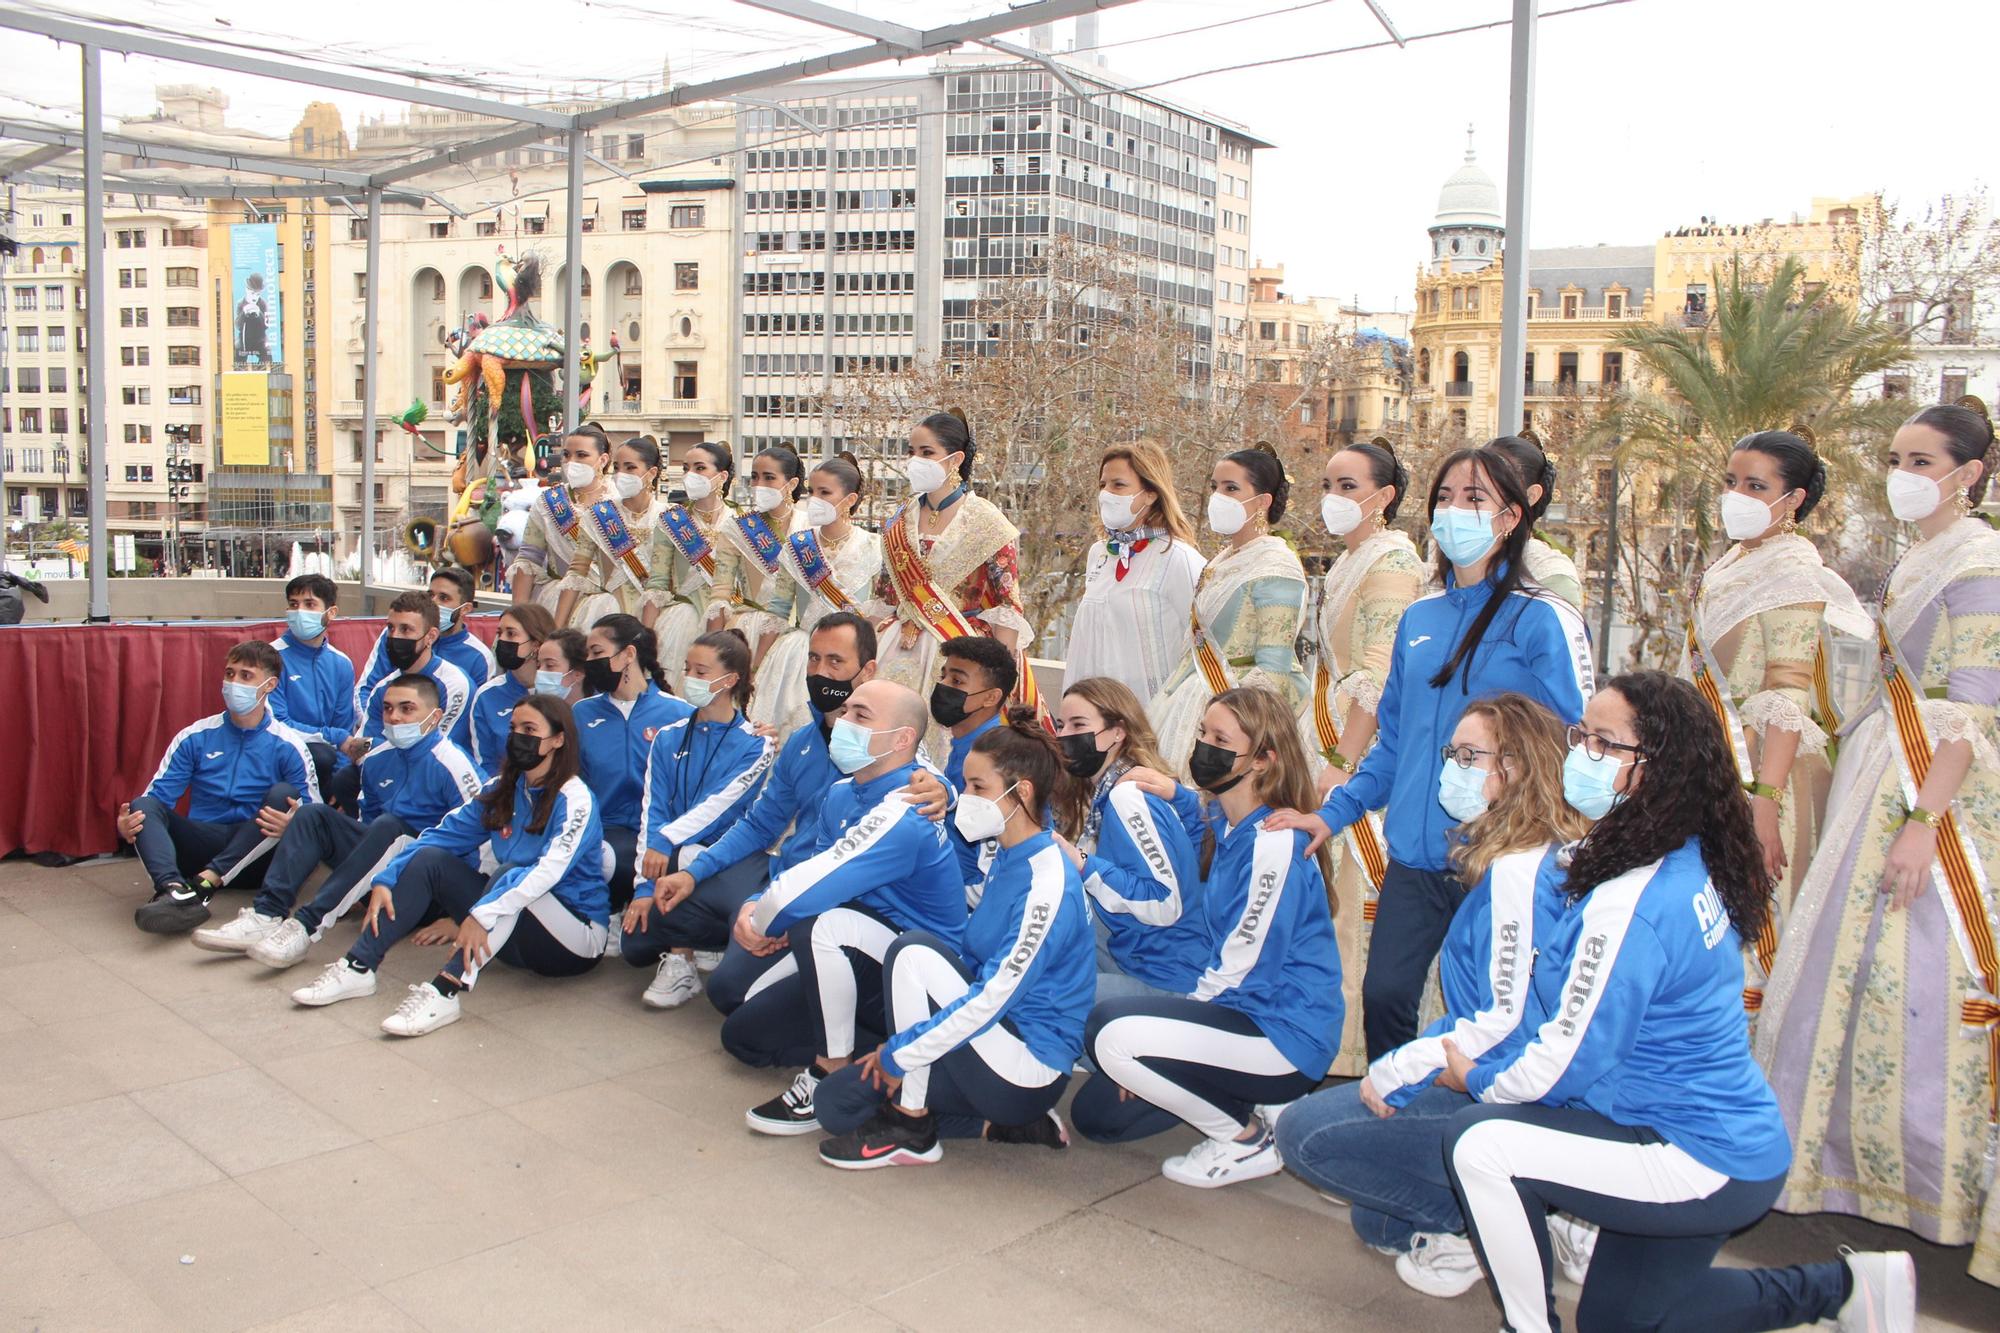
[1271, 859]
[177, 764]
[700, 818]
[465, 775]
[1512, 926]
[1118, 889]
[308, 779]
[851, 865]
[993, 990]
[576, 806]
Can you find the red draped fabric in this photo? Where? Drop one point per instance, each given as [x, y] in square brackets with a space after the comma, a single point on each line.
[87, 710]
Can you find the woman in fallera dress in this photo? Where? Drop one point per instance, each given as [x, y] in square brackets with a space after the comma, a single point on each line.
[1878, 1023]
[551, 536]
[614, 546]
[1132, 623]
[777, 484]
[1375, 578]
[697, 572]
[1248, 605]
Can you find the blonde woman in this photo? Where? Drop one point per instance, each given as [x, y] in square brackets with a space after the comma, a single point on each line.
[1362, 600]
[1378, 1143]
[609, 572]
[1132, 624]
[697, 573]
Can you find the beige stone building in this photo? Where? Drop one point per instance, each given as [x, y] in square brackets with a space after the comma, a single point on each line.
[1333, 373]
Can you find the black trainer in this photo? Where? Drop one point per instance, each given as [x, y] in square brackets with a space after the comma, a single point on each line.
[890, 1138]
[791, 1111]
[1047, 1131]
[175, 910]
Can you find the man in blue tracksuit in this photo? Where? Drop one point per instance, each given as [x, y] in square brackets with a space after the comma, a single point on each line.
[878, 860]
[411, 643]
[451, 593]
[976, 677]
[407, 786]
[1535, 645]
[228, 765]
[315, 694]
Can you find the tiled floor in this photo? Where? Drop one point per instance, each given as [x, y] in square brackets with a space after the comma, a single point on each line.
[181, 1148]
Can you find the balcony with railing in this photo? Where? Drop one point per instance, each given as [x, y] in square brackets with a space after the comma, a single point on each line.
[1458, 389]
[1583, 313]
[1570, 388]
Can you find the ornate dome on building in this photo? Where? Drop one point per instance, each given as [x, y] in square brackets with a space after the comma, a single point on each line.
[1469, 225]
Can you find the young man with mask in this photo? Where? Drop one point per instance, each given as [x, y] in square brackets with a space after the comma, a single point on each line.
[315, 694]
[407, 785]
[976, 676]
[840, 659]
[228, 765]
[410, 646]
[451, 592]
[877, 868]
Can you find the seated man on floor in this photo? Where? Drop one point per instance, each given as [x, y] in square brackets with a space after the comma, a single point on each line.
[228, 765]
[407, 786]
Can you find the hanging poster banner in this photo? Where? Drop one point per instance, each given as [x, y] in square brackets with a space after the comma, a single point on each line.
[253, 286]
[246, 418]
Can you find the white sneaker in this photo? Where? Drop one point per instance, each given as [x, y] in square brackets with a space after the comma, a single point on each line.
[424, 1009]
[1572, 1240]
[674, 984]
[236, 936]
[337, 982]
[1439, 1264]
[287, 943]
[707, 960]
[1884, 1299]
[1213, 1163]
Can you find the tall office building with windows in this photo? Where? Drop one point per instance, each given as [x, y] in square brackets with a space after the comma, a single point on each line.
[877, 214]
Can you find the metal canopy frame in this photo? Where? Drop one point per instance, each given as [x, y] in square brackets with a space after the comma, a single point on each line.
[532, 124]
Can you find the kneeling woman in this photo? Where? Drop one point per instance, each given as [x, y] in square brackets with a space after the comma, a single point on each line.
[1377, 1142]
[1627, 1096]
[544, 907]
[1260, 1026]
[984, 1037]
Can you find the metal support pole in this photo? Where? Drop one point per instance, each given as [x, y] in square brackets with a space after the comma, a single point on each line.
[829, 141]
[1610, 573]
[371, 307]
[93, 324]
[6, 341]
[572, 289]
[1520, 155]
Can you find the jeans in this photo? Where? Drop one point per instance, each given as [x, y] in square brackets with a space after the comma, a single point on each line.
[174, 847]
[1390, 1171]
[545, 938]
[703, 920]
[1411, 917]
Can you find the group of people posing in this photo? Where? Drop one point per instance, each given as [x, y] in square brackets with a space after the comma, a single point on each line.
[1534, 918]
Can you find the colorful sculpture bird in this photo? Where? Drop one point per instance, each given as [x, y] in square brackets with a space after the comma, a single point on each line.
[412, 416]
[504, 273]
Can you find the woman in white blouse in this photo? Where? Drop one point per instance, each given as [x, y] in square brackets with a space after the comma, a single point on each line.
[1132, 624]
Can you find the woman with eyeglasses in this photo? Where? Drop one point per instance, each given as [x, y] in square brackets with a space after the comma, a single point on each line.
[1484, 632]
[1376, 1142]
[1626, 1096]
[1878, 1025]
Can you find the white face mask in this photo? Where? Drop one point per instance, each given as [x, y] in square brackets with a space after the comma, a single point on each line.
[1340, 514]
[1116, 511]
[1745, 518]
[766, 498]
[698, 487]
[1226, 515]
[820, 512]
[978, 819]
[578, 475]
[628, 485]
[925, 474]
[1912, 497]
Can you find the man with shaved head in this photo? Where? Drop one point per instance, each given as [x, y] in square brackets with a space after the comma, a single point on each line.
[824, 924]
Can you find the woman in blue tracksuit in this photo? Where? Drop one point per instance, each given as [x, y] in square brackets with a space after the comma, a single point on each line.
[1260, 1025]
[542, 907]
[1487, 631]
[1377, 1142]
[1137, 853]
[984, 1035]
[628, 705]
[1628, 1096]
[519, 637]
[702, 775]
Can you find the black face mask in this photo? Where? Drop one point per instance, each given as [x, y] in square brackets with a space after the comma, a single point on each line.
[827, 694]
[948, 706]
[524, 750]
[599, 676]
[1209, 766]
[1080, 753]
[402, 653]
[508, 654]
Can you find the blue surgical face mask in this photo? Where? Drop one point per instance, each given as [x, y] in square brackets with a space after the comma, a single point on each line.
[239, 698]
[403, 735]
[551, 682]
[848, 746]
[1463, 535]
[447, 617]
[1462, 791]
[306, 624]
[1590, 784]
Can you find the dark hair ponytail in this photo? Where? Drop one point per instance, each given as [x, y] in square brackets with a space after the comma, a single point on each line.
[1504, 571]
[723, 458]
[1385, 469]
[1968, 435]
[1024, 751]
[1534, 468]
[1799, 466]
[1267, 474]
[733, 648]
[646, 447]
[844, 468]
[954, 433]
[627, 632]
[789, 464]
